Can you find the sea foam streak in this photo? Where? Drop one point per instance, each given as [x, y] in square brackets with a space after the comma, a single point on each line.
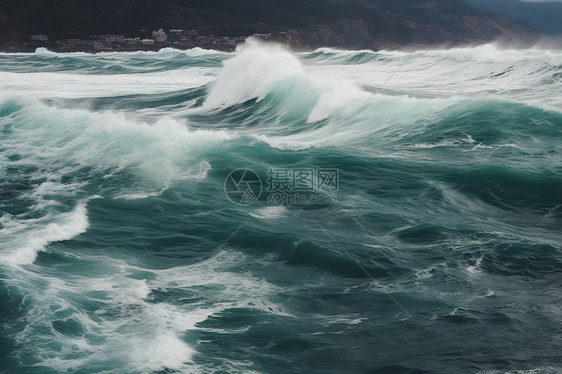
[26, 242]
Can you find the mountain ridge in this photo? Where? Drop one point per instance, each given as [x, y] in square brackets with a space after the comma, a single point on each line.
[352, 24]
[544, 16]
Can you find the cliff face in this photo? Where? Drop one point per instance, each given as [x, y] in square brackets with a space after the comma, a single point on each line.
[303, 23]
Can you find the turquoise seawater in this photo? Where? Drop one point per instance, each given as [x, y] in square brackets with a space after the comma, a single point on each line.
[147, 224]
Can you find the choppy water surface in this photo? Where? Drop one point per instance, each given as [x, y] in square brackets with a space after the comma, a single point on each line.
[437, 248]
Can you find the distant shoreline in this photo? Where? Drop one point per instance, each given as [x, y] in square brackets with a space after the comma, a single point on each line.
[109, 26]
[183, 40]
[20, 48]
[26, 48]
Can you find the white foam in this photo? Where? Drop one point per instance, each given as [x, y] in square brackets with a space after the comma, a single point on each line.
[485, 71]
[251, 73]
[164, 351]
[369, 114]
[154, 333]
[29, 242]
[159, 153]
[234, 291]
[137, 196]
[335, 99]
[475, 269]
[193, 52]
[269, 212]
[43, 51]
[70, 85]
[197, 51]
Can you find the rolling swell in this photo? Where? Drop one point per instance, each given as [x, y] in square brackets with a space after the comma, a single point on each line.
[442, 254]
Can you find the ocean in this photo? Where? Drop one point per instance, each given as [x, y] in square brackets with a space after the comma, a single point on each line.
[268, 211]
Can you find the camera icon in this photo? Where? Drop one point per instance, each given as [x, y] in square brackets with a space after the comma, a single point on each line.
[243, 186]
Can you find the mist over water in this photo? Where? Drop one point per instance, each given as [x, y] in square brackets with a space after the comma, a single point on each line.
[120, 251]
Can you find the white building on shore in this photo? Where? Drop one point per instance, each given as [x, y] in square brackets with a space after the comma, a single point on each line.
[159, 36]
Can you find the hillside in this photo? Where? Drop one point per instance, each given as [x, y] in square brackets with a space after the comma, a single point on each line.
[340, 23]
